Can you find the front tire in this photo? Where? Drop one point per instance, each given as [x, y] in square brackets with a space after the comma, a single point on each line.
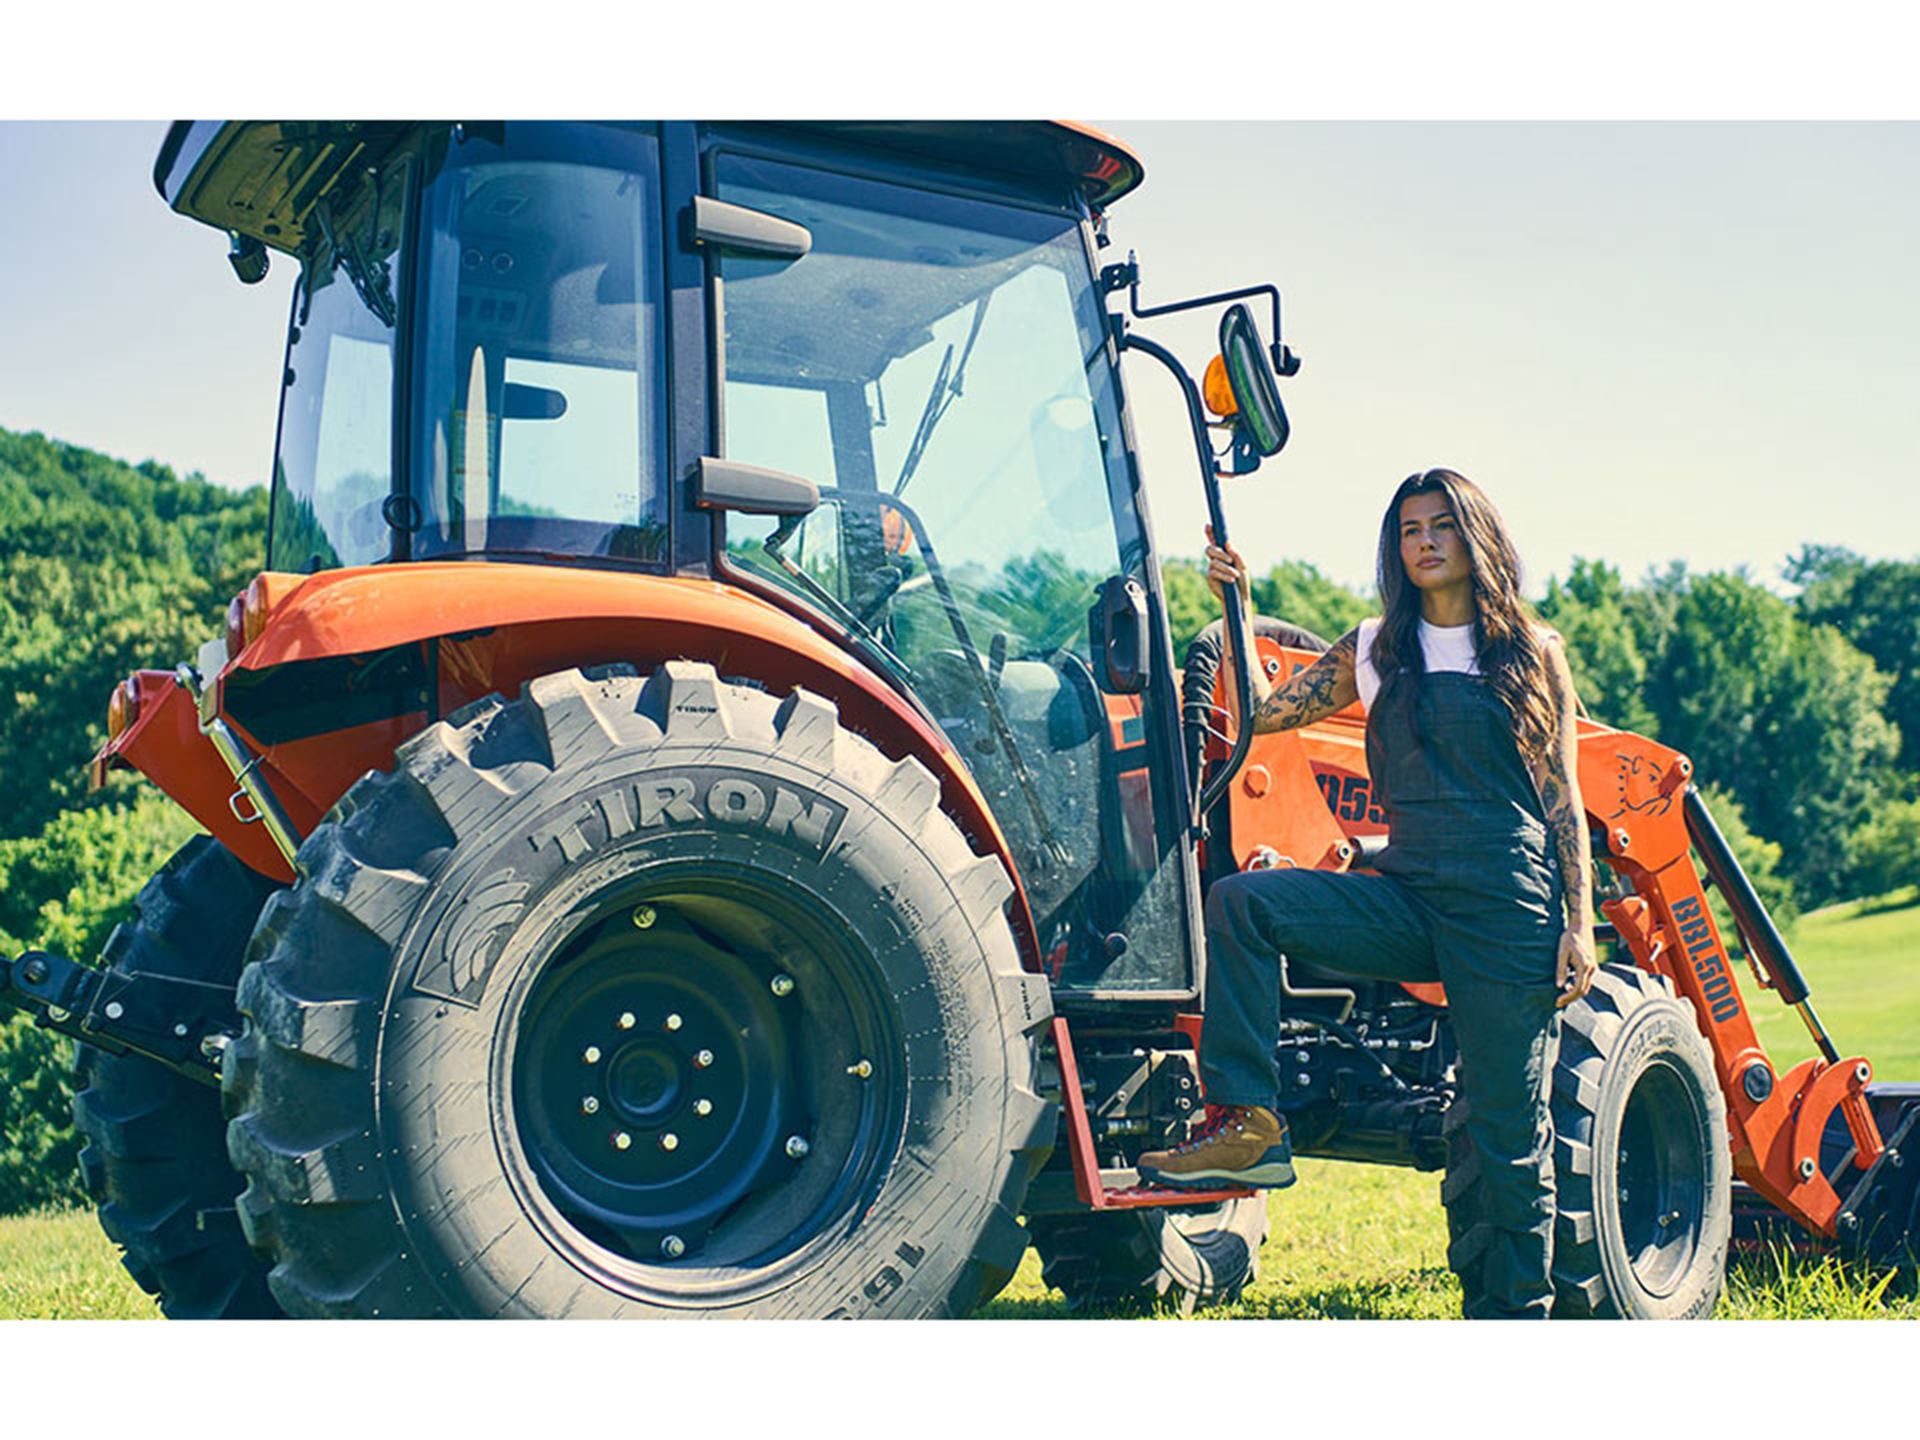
[1128, 1258]
[626, 999]
[1643, 1172]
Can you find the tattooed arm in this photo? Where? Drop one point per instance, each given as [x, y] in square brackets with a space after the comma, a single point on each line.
[1558, 777]
[1323, 687]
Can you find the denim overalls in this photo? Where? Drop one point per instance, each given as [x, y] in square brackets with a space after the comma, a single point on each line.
[1468, 893]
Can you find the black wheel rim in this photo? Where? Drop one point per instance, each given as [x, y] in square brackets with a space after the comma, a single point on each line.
[707, 1084]
[1661, 1178]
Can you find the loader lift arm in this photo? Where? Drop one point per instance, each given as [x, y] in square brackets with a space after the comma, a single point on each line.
[1647, 819]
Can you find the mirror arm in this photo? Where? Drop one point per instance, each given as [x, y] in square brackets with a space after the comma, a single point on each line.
[1127, 277]
[1237, 626]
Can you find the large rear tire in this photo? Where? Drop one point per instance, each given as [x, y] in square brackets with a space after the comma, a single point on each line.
[1643, 1171]
[622, 999]
[155, 1161]
[1122, 1259]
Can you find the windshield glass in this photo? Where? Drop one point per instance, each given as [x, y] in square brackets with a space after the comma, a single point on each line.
[333, 466]
[939, 367]
[542, 431]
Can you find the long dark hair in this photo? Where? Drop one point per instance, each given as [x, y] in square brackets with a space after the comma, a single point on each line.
[1506, 643]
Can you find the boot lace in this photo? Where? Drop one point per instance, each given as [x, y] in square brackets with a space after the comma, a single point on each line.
[1218, 1117]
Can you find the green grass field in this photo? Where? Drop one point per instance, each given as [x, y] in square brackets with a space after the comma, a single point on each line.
[1348, 1240]
[1862, 963]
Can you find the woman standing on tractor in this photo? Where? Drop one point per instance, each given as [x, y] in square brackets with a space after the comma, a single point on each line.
[1485, 884]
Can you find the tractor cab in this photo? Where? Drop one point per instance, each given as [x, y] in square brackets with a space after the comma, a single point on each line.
[865, 372]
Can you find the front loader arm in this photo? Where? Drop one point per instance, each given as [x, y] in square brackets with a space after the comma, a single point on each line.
[1639, 798]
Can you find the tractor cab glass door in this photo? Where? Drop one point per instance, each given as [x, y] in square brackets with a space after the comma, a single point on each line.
[540, 431]
[939, 367]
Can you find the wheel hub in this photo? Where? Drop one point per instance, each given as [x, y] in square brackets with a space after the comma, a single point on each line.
[690, 1100]
[683, 1096]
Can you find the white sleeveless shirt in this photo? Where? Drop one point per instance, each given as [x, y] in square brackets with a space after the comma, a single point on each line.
[1445, 647]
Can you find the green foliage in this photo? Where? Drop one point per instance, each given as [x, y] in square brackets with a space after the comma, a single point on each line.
[1876, 605]
[1887, 848]
[1590, 610]
[104, 568]
[1786, 716]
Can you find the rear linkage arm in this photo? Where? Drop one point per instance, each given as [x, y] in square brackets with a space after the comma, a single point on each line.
[181, 1024]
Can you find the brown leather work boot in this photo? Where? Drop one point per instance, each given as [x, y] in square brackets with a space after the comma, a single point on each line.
[1238, 1145]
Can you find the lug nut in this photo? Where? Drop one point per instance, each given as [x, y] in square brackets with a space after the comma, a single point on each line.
[622, 1140]
[674, 1022]
[703, 1106]
[643, 917]
[862, 1068]
[669, 1141]
[1807, 1168]
[797, 1147]
[590, 1056]
[626, 1020]
[781, 985]
[673, 1247]
[589, 1104]
[702, 1059]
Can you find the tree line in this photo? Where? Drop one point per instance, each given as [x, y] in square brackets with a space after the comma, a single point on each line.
[1803, 715]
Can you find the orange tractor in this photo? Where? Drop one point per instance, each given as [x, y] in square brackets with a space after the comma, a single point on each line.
[703, 817]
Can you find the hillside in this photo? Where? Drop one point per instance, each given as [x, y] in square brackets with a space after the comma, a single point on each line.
[104, 567]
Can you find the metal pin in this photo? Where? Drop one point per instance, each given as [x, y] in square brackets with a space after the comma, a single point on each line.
[863, 1069]
[1807, 1168]
[703, 1058]
[589, 1104]
[622, 1140]
[674, 1022]
[781, 985]
[797, 1146]
[626, 1020]
[643, 917]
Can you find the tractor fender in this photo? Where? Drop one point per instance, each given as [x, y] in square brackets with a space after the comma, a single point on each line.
[371, 634]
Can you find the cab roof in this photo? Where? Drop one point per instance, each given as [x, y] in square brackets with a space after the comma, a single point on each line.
[262, 178]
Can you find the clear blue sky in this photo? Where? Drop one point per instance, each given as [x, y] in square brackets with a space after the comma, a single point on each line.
[1645, 340]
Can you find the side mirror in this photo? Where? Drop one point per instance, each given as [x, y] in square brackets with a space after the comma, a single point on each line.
[1261, 427]
[752, 489]
[1121, 636]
